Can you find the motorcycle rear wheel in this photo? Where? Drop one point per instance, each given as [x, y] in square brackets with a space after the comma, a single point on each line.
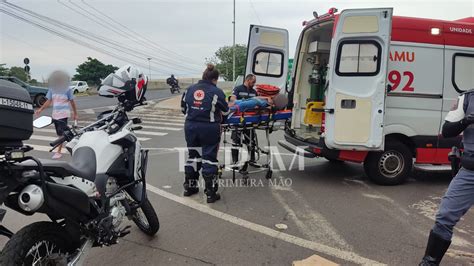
[40, 243]
[146, 219]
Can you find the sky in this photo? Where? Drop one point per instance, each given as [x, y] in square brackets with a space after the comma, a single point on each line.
[177, 35]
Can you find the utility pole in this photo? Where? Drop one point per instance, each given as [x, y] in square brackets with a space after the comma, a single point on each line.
[149, 68]
[233, 48]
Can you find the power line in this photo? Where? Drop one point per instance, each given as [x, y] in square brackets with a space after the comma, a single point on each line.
[94, 37]
[255, 11]
[77, 41]
[91, 17]
[148, 41]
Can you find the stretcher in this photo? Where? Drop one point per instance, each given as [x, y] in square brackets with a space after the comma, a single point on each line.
[246, 125]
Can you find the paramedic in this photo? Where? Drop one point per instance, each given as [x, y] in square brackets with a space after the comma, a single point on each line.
[241, 92]
[203, 104]
[460, 194]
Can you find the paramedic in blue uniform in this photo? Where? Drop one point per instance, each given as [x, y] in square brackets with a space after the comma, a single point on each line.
[241, 92]
[204, 105]
[460, 194]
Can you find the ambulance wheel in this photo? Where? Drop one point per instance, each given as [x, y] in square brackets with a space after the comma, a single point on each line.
[390, 167]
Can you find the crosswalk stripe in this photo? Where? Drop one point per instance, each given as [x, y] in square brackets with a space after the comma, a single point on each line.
[142, 132]
[162, 119]
[144, 125]
[44, 148]
[162, 128]
[47, 138]
[87, 122]
[160, 116]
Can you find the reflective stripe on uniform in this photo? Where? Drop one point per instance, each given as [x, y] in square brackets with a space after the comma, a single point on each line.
[213, 108]
[210, 162]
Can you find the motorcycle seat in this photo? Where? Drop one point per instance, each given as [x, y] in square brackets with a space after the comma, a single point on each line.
[83, 165]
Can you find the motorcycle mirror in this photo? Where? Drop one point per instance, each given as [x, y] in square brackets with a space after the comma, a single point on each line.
[42, 121]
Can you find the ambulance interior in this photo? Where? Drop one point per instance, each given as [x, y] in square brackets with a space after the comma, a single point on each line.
[310, 81]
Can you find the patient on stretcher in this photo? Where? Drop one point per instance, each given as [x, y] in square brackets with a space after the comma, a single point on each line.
[278, 101]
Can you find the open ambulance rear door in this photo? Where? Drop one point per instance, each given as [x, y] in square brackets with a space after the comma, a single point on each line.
[267, 55]
[355, 102]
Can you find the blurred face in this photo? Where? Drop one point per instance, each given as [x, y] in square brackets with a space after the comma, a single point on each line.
[250, 83]
[58, 80]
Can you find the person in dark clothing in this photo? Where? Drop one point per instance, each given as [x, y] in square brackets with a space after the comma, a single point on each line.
[203, 104]
[459, 197]
[172, 81]
[242, 92]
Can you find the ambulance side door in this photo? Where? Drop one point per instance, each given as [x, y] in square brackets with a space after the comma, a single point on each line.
[267, 55]
[355, 103]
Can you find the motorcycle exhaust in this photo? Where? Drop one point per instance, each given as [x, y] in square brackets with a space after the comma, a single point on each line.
[31, 198]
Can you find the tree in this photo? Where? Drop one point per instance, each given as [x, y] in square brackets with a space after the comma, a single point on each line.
[92, 71]
[18, 72]
[3, 70]
[223, 60]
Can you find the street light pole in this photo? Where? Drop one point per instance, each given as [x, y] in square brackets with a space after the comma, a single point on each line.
[233, 48]
[149, 68]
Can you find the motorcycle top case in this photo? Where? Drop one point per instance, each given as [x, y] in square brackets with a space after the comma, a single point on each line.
[16, 114]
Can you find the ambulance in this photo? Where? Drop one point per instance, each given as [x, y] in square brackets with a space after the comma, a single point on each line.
[369, 87]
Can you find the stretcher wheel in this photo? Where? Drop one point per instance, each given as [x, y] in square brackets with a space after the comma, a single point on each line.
[269, 174]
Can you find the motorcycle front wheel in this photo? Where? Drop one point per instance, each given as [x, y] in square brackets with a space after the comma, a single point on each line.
[40, 243]
[146, 219]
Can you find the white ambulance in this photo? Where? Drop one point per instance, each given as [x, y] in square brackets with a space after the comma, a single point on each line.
[369, 87]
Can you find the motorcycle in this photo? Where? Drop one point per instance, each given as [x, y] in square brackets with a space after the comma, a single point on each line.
[86, 199]
[175, 88]
[174, 85]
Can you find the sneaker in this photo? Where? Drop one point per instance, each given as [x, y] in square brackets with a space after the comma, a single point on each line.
[57, 155]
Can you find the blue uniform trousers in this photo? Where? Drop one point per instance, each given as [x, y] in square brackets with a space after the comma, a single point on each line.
[455, 203]
[203, 141]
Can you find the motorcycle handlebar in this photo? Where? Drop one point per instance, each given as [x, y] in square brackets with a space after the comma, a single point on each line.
[58, 141]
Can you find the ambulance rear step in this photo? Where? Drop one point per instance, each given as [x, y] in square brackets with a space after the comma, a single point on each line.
[294, 149]
[432, 168]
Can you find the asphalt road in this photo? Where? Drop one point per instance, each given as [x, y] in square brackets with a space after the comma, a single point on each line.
[326, 209]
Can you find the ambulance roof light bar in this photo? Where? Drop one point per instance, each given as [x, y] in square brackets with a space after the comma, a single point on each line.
[331, 12]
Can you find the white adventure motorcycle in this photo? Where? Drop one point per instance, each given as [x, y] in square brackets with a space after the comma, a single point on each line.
[86, 199]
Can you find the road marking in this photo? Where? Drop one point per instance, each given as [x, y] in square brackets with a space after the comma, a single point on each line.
[143, 132]
[162, 128]
[44, 148]
[88, 111]
[87, 122]
[317, 247]
[47, 138]
[175, 118]
[165, 119]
